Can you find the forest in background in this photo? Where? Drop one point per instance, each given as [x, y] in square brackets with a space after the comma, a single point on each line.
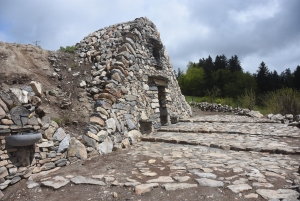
[225, 78]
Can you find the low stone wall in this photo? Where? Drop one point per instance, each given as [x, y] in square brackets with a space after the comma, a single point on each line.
[214, 107]
[21, 157]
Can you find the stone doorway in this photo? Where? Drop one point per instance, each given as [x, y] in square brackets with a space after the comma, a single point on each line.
[164, 117]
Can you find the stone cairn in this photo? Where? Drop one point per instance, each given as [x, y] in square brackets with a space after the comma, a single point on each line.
[134, 91]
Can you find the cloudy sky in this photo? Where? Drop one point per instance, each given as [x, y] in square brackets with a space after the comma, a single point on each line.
[254, 30]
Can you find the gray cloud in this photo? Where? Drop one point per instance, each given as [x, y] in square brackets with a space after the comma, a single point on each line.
[254, 30]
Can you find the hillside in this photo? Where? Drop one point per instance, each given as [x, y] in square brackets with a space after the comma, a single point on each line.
[21, 64]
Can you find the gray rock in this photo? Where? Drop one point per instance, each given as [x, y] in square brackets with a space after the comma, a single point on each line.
[161, 179]
[209, 182]
[59, 134]
[204, 174]
[106, 146]
[83, 180]
[61, 162]
[111, 124]
[64, 144]
[48, 166]
[76, 148]
[278, 194]
[56, 183]
[15, 180]
[51, 154]
[134, 135]
[5, 184]
[90, 141]
[19, 115]
[178, 186]
[32, 184]
[145, 188]
[3, 172]
[2, 113]
[130, 124]
[20, 94]
[239, 188]
[36, 87]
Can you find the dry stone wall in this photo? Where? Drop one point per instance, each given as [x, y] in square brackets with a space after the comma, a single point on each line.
[132, 83]
[133, 89]
[31, 143]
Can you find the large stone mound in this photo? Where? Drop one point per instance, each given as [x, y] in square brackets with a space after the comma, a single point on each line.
[132, 83]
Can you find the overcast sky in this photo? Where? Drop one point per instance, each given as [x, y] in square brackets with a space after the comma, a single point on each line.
[254, 30]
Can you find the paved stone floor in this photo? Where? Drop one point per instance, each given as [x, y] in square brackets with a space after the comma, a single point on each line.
[230, 157]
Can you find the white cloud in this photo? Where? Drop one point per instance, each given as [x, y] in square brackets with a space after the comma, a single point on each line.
[191, 29]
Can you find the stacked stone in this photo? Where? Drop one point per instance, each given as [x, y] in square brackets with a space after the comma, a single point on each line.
[132, 83]
[20, 109]
[212, 107]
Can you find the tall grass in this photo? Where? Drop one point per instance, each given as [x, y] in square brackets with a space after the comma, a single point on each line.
[283, 101]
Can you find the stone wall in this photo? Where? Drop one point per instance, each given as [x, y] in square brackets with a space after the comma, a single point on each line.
[30, 144]
[134, 91]
[132, 83]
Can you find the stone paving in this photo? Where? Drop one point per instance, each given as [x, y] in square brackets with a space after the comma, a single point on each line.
[255, 161]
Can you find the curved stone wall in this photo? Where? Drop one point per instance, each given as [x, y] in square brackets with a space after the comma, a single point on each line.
[132, 83]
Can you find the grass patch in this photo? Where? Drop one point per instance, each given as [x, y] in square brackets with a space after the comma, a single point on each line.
[228, 101]
[64, 120]
[69, 49]
[222, 101]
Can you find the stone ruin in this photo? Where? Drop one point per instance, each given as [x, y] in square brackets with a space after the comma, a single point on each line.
[133, 83]
[134, 91]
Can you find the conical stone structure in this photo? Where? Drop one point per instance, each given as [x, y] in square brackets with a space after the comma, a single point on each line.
[132, 83]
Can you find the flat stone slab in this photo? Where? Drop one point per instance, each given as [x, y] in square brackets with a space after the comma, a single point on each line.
[32, 184]
[161, 179]
[204, 174]
[145, 188]
[56, 183]
[239, 188]
[181, 179]
[209, 182]
[178, 186]
[278, 194]
[83, 180]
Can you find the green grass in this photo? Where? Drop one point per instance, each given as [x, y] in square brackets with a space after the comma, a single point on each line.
[223, 101]
[262, 110]
[226, 101]
[69, 49]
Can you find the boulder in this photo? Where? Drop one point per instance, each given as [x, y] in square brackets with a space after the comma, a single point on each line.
[106, 146]
[76, 148]
[64, 144]
[134, 136]
[59, 134]
[36, 87]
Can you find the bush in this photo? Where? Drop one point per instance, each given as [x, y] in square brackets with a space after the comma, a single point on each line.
[283, 101]
[248, 99]
[69, 49]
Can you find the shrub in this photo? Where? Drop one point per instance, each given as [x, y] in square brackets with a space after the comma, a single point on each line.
[248, 99]
[69, 49]
[283, 101]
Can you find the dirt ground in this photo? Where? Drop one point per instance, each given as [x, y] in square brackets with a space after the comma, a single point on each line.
[118, 163]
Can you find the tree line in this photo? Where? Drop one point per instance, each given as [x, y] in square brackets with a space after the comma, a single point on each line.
[224, 77]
